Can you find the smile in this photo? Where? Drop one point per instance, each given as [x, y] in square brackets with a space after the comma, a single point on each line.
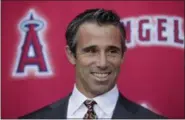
[101, 76]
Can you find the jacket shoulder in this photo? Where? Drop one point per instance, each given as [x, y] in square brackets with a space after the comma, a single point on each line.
[134, 110]
[48, 111]
[143, 112]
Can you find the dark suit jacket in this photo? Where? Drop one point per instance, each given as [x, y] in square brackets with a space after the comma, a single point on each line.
[124, 109]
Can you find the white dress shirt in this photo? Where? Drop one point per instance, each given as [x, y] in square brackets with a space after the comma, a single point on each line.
[103, 109]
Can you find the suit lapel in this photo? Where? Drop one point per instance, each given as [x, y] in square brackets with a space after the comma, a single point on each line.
[124, 108]
[59, 109]
[121, 109]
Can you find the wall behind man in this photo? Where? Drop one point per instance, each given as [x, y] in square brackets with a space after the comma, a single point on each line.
[152, 73]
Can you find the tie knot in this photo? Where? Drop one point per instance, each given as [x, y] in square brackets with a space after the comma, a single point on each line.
[90, 112]
[89, 103]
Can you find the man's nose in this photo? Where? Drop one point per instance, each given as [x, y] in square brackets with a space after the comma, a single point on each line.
[102, 61]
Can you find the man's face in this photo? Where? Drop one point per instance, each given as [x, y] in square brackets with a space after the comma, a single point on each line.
[98, 58]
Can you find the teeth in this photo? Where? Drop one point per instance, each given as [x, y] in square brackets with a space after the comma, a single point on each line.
[100, 74]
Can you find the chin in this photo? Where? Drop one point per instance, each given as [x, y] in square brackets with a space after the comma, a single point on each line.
[100, 90]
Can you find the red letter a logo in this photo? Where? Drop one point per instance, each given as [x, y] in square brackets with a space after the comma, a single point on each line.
[37, 59]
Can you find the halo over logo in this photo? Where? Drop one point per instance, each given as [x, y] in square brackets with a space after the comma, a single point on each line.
[32, 57]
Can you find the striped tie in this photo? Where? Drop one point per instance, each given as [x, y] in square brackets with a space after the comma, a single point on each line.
[90, 112]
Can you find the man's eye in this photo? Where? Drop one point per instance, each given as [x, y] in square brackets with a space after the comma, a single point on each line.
[113, 51]
[91, 51]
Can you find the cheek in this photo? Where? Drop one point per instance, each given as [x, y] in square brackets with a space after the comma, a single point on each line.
[86, 61]
[116, 62]
[83, 66]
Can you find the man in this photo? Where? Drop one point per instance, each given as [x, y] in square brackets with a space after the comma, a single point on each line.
[96, 47]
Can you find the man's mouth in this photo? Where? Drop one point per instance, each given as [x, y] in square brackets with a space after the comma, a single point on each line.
[101, 76]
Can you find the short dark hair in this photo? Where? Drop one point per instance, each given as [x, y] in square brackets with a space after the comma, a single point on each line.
[101, 16]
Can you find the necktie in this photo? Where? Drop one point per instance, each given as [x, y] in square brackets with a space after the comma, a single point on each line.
[90, 112]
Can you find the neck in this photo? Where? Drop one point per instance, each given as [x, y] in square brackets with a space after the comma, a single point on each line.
[85, 92]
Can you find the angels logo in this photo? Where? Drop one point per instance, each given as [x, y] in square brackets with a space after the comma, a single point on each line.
[32, 54]
[158, 30]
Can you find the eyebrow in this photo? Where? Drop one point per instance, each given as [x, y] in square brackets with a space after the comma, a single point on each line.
[89, 48]
[94, 47]
[114, 47]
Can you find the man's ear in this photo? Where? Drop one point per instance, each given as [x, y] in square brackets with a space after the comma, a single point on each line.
[70, 55]
[123, 55]
[122, 59]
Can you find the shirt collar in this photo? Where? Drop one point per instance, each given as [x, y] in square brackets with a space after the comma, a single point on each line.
[106, 101]
[76, 100]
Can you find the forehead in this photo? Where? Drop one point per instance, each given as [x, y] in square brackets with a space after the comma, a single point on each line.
[99, 35]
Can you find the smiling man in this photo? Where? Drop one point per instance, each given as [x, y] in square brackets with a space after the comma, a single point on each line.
[98, 58]
[95, 47]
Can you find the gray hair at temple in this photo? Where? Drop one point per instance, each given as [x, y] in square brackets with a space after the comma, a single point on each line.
[102, 17]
